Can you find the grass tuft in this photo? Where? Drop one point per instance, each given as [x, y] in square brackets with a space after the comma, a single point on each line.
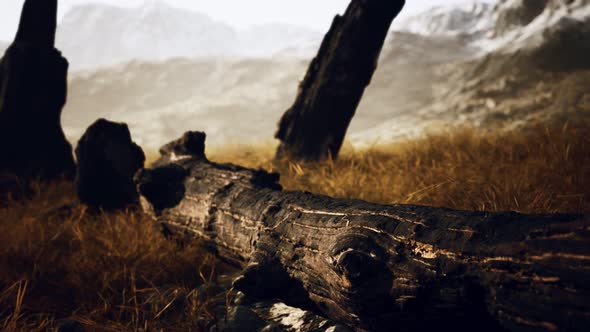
[109, 272]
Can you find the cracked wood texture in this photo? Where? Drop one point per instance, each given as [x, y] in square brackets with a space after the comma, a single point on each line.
[376, 267]
[315, 126]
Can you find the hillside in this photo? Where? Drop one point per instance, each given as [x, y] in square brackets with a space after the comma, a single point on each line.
[469, 18]
[538, 71]
[530, 65]
[241, 100]
[232, 100]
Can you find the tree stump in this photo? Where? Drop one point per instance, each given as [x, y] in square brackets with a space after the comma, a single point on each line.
[33, 89]
[376, 267]
[107, 161]
[314, 128]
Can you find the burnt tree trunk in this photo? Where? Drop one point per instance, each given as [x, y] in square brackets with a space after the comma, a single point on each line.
[33, 91]
[314, 127]
[376, 267]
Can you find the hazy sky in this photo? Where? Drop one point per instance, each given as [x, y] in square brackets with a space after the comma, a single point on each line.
[239, 13]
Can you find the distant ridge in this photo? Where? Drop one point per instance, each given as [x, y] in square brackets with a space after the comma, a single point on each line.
[467, 18]
[98, 35]
[507, 25]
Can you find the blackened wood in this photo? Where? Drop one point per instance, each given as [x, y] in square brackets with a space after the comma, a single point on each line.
[38, 23]
[314, 127]
[107, 161]
[33, 90]
[377, 267]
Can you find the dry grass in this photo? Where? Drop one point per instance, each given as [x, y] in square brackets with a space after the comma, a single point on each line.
[110, 272]
[545, 170]
[116, 272]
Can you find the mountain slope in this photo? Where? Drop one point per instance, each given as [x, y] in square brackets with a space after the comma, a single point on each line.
[507, 25]
[525, 24]
[532, 65]
[231, 99]
[241, 100]
[466, 18]
[100, 35]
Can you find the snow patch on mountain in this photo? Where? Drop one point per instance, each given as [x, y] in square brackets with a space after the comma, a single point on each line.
[529, 62]
[506, 26]
[467, 18]
[528, 24]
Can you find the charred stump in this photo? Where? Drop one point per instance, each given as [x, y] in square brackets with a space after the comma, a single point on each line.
[376, 267]
[107, 161]
[33, 89]
[314, 128]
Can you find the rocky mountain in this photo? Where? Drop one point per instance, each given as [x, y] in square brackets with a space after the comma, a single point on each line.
[241, 100]
[231, 99]
[98, 35]
[466, 18]
[532, 64]
[526, 24]
[521, 68]
[506, 25]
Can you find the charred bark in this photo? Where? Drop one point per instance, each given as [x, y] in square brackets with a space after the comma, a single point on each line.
[107, 161]
[314, 127]
[376, 267]
[33, 91]
[38, 23]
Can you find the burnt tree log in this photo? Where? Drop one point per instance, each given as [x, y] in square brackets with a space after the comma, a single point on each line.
[33, 90]
[314, 128]
[376, 267]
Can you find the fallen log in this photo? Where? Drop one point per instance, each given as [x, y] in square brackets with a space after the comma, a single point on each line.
[314, 127]
[376, 267]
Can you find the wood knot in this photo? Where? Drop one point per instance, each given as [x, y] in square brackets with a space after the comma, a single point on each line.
[358, 259]
[357, 267]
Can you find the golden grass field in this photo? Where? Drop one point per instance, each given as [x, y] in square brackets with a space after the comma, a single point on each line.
[545, 170]
[116, 272]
